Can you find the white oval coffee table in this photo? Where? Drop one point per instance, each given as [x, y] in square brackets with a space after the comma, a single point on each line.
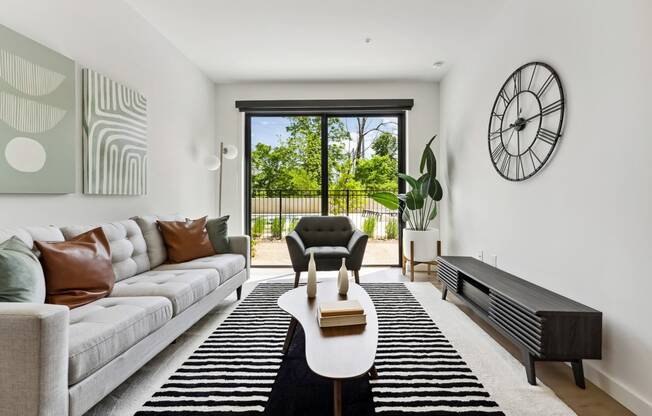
[337, 353]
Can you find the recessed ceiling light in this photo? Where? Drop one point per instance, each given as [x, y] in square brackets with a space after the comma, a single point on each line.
[438, 64]
[367, 40]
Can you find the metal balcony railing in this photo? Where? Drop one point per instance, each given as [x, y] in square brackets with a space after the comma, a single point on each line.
[275, 212]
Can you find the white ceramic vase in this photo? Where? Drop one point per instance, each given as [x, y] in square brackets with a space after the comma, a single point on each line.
[343, 279]
[311, 287]
[425, 244]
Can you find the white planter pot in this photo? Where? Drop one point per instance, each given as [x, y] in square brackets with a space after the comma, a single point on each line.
[425, 244]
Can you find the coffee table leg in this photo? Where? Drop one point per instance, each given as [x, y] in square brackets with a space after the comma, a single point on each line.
[290, 335]
[337, 397]
[373, 374]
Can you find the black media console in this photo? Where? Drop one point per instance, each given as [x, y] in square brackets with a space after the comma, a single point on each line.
[545, 325]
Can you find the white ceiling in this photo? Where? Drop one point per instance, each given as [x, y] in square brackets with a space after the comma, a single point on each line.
[309, 40]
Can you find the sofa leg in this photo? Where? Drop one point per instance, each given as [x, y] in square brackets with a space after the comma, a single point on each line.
[357, 276]
[297, 276]
[238, 292]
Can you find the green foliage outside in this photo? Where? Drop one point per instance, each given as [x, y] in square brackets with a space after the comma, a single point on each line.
[278, 225]
[295, 163]
[369, 226]
[258, 227]
[391, 230]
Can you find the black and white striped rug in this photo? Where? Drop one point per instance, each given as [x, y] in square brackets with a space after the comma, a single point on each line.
[240, 370]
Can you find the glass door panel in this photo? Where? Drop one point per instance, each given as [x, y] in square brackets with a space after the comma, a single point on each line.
[285, 181]
[363, 159]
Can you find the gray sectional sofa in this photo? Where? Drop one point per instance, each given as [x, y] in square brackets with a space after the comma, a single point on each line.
[56, 361]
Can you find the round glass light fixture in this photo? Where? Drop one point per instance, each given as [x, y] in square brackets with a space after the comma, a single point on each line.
[212, 162]
[230, 151]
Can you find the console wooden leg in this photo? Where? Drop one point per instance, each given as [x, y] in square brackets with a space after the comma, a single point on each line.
[528, 362]
[297, 276]
[337, 397]
[357, 276]
[578, 373]
[411, 261]
[403, 263]
[444, 292]
[238, 292]
[290, 335]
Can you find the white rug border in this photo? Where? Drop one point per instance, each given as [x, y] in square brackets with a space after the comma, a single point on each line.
[502, 375]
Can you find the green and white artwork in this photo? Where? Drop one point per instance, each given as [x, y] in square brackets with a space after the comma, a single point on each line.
[115, 137]
[37, 117]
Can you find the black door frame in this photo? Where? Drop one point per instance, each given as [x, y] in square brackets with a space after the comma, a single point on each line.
[324, 115]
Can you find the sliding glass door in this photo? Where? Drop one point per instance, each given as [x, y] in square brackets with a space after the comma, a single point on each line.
[299, 165]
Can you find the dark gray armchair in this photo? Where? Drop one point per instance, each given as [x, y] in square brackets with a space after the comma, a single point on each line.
[331, 239]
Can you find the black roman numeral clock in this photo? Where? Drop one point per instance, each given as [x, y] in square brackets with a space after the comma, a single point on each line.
[526, 121]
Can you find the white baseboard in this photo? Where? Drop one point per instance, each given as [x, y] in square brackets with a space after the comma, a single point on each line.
[631, 400]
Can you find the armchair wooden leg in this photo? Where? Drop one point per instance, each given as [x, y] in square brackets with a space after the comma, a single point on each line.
[357, 276]
[297, 276]
[403, 263]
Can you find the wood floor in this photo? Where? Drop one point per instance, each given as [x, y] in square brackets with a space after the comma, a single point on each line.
[558, 376]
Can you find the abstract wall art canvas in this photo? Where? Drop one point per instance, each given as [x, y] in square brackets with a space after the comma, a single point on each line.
[37, 117]
[114, 136]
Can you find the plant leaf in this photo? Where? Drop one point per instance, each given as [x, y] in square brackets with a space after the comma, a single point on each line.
[386, 199]
[414, 200]
[409, 179]
[425, 156]
[433, 213]
[438, 192]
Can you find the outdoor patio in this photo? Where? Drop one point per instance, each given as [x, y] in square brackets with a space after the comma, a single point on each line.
[275, 253]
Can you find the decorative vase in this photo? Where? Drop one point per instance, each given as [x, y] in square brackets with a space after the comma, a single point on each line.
[311, 287]
[343, 279]
[425, 244]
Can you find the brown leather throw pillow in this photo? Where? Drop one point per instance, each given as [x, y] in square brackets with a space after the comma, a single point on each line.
[186, 240]
[77, 271]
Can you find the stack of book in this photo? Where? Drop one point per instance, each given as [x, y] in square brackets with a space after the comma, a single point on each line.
[341, 313]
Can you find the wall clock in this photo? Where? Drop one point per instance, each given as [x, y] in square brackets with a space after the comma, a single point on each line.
[526, 121]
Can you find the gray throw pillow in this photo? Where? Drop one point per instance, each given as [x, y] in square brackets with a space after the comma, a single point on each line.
[21, 274]
[218, 234]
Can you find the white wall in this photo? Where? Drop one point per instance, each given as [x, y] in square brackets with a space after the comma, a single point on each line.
[422, 121]
[108, 36]
[582, 226]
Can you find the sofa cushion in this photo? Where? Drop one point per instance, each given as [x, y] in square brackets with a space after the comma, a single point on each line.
[21, 274]
[228, 265]
[156, 250]
[104, 329]
[218, 232]
[328, 251]
[77, 271]
[186, 240]
[128, 248]
[30, 234]
[181, 287]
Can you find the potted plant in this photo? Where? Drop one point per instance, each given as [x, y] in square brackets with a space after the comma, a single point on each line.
[418, 207]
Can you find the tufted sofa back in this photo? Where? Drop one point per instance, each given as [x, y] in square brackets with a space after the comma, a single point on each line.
[28, 235]
[325, 231]
[128, 248]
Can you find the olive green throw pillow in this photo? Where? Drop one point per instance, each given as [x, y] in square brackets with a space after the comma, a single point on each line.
[218, 234]
[21, 274]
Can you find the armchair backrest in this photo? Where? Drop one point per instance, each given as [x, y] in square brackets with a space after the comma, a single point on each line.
[325, 231]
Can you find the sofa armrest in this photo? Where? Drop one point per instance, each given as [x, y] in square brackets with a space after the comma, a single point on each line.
[357, 245]
[241, 244]
[297, 252]
[33, 359]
